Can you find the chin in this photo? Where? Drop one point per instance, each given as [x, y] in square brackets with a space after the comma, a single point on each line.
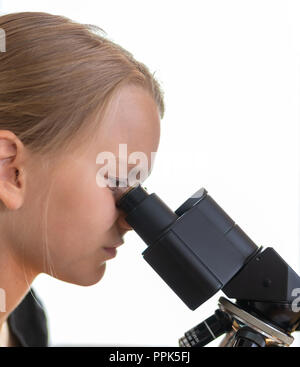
[84, 279]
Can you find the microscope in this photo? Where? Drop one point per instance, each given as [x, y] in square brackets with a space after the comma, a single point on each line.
[198, 250]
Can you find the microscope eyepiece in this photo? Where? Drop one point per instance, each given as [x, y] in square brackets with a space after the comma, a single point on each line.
[147, 214]
[132, 198]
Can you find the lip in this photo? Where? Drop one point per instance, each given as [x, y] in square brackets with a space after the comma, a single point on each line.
[112, 250]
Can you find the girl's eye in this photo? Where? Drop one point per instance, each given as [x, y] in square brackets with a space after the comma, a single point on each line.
[116, 188]
[115, 184]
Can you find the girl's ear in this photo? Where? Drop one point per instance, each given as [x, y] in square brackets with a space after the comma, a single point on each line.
[11, 175]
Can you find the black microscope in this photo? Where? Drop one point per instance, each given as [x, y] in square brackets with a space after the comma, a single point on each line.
[198, 250]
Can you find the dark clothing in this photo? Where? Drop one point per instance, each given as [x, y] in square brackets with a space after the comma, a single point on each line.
[28, 322]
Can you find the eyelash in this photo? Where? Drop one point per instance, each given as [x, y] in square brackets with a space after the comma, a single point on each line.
[115, 189]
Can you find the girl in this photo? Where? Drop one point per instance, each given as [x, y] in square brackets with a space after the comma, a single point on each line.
[67, 93]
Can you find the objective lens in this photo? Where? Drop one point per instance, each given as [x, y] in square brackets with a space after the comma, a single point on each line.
[206, 331]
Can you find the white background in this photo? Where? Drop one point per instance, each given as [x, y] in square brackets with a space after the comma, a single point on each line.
[230, 72]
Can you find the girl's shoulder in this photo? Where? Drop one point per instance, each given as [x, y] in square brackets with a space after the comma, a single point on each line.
[28, 322]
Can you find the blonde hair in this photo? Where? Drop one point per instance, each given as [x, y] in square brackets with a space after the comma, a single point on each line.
[56, 74]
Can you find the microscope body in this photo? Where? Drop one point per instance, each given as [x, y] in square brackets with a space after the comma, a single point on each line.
[198, 250]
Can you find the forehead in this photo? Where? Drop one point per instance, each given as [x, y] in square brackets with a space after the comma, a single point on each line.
[132, 118]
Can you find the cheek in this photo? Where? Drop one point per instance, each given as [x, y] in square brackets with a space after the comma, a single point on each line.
[80, 215]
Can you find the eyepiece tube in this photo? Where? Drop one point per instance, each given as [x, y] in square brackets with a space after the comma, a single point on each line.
[147, 214]
[131, 198]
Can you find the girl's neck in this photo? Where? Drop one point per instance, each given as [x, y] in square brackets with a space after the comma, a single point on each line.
[15, 281]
